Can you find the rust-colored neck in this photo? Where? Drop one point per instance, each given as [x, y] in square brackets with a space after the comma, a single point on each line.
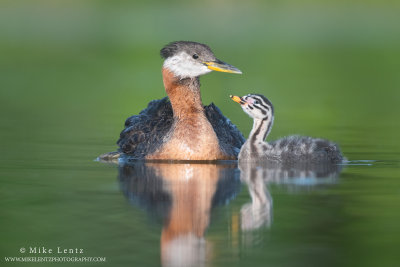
[184, 94]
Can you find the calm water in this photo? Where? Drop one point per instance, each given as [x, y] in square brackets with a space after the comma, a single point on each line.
[71, 72]
[151, 214]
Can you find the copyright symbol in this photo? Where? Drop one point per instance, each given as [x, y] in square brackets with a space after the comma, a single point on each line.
[22, 250]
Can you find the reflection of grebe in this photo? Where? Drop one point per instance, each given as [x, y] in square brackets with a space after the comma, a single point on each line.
[182, 129]
[288, 149]
[191, 191]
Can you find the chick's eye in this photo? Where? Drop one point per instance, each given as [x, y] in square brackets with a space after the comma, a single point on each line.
[195, 56]
[255, 101]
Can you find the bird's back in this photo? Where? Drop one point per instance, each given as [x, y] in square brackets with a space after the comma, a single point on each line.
[304, 148]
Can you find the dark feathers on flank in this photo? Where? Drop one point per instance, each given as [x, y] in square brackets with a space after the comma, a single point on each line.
[145, 133]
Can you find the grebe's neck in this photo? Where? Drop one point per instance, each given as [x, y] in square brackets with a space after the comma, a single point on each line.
[261, 129]
[184, 94]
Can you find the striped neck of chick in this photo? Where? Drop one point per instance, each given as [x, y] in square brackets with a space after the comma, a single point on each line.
[261, 129]
[261, 110]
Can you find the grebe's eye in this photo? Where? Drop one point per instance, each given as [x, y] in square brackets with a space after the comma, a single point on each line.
[256, 102]
[195, 56]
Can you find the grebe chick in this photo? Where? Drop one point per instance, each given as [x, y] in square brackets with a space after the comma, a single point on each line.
[181, 128]
[289, 149]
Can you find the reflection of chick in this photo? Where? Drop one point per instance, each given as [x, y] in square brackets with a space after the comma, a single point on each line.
[258, 213]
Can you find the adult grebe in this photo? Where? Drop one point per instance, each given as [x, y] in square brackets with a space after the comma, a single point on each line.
[181, 128]
[288, 149]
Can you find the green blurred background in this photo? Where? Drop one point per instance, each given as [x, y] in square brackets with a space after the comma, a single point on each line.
[81, 67]
[71, 72]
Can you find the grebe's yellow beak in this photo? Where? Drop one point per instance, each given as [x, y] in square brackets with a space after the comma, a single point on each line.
[219, 65]
[237, 99]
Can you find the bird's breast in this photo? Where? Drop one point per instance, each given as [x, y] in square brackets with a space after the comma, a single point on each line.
[190, 139]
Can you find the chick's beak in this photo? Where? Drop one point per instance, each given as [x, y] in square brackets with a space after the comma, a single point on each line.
[237, 99]
[219, 65]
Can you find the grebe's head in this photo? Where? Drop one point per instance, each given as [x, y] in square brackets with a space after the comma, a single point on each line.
[190, 59]
[256, 106]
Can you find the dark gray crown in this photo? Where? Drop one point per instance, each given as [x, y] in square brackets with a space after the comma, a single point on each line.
[173, 48]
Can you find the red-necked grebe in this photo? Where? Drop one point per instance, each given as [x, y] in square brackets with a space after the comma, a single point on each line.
[181, 128]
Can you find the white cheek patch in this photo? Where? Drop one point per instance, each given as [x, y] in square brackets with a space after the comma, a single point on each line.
[183, 66]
